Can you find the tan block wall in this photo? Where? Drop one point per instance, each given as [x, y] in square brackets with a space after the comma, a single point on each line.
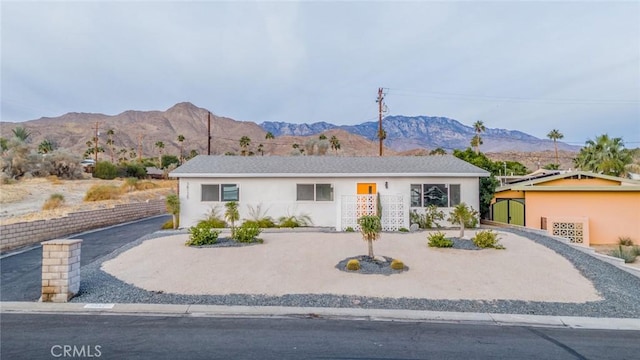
[27, 233]
[60, 269]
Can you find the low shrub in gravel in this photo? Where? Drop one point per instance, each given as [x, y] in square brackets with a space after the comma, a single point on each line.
[102, 192]
[439, 240]
[626, 253]
[403, 230]
[349, 229]
[202, 234]
[247, 233]
[353, 265]
[487, 239]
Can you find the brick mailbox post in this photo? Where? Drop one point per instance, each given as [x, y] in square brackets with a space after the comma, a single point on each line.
[60, 269]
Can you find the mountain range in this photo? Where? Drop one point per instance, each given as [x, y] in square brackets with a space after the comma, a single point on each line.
[134, 129]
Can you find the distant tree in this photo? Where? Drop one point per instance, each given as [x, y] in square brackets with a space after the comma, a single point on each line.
[132, 153]
[122, 155]
[309, 146]
[21, 133]
[181, 140]
[295, 146]
[335, 143]
[604, 155]
[322, 137]
[479, 128]
[551, 167]
[269, 136]
[110, 143]
[160, 146]
[168, 160]
[555, 135]
[4, 144]
[261, 149]
[46, 146]
[193, 153]
[245, 141]
[438, 151]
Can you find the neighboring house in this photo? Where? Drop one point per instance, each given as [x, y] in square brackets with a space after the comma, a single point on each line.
[333, 190]
[584, 207]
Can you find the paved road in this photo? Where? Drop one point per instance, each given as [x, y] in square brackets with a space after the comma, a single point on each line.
[43, 336]
[21, 274]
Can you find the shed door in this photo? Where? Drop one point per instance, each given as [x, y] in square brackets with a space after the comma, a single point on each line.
[509, 211]
[366, 188]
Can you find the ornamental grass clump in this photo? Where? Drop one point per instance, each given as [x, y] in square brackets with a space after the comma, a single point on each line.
[439, 240]
[102, 192]
[53, 202]
[487, 239]
[626, 253]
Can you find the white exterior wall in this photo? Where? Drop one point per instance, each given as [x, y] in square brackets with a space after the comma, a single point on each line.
[278, 196]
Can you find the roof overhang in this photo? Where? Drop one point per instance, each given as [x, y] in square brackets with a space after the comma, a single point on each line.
[325, 175]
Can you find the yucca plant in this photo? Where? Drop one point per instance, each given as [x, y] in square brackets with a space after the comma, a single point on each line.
[461, 214]
[370, 227]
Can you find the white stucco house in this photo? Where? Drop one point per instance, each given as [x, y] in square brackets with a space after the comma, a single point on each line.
[333, 190]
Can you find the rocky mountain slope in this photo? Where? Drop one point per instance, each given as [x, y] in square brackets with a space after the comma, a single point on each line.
[405, 135]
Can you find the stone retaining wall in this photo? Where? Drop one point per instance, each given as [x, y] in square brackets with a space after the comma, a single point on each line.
[28, 233]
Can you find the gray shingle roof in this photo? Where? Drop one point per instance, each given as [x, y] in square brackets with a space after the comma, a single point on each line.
[325, 166]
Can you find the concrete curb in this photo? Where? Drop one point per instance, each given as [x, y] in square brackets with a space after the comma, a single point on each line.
[573, 322]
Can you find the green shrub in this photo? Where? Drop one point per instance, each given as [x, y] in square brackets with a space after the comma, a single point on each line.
[135, 170]
[353, 265]
[105, 170]
[294, 221]
[627, 254]
[247, 233]
[349, 229]
[439, 240]
[625, 241]
[214, 223]
[428, 219]
[55, 201]
[487, 239]
[202, 234]
[102, 192]
[403, 229]
[167, 160]
[397, 264]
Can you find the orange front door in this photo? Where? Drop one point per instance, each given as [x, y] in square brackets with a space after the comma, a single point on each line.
[366, 188]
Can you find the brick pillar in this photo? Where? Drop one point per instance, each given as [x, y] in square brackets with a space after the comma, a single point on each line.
[60, 269]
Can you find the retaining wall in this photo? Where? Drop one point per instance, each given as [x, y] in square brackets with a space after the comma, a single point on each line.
[28, 233]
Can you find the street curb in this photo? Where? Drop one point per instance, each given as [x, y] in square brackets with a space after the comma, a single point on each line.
[573, 322]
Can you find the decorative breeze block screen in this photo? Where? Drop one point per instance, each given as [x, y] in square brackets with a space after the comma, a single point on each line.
[355, 206]
[569, 230]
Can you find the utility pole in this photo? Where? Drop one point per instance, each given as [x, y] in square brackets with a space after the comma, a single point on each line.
[140, 148]
[379, 100]
[95, 143]
[209, 133]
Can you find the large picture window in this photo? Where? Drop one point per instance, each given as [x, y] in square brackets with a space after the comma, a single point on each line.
[217, 192]
[314, 192]
[440, 195]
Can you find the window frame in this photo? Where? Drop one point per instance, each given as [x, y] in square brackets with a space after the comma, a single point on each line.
[452, 198]
[220, 193]
[315, 191]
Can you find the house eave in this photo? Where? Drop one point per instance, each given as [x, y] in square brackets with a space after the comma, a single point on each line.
[324, 175]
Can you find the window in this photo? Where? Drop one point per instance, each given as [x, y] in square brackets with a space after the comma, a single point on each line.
[210, 192]
[216, 192]
[314, 192]
[440, 195]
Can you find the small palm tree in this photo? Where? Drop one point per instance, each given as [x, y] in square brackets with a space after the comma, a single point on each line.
[173, 208]
[479, 128]
[110, 143]
[45, 147]
[232, 215]
[370, 227]
[269, 136]
[160, 146]
[261, 149]
[554, 135]
[181, 140]
[335, 143]
[245, 141]
[461, 214]
[21, 133]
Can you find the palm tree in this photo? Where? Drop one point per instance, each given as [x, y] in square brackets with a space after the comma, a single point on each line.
[438, 151]
[370, 227]
[160, 146]
[245, 141]
[269, 136]
[232, 215]
[604, 155]
[132, 153]
[322, 137]
[21, 133]
[261, 149]
[45, 147]
[461, 214]
[181, 140]
[476, 141]
[110, 142]
[554, 135]
[123, 155]
[335, 143]
[479, 128]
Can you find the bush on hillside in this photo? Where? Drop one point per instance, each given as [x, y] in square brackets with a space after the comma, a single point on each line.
[105, 170]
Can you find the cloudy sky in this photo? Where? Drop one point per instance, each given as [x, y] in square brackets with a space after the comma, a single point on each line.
[529, 66]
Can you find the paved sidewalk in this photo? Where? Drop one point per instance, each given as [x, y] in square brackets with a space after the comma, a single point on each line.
[573, 322]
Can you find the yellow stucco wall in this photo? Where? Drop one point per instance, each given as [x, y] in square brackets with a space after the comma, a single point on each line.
[611, 214]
